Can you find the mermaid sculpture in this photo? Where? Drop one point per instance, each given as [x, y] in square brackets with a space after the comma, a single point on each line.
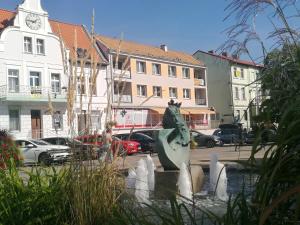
[173, 142]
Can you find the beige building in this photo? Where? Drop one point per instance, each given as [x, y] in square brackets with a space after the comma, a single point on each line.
[144, 78]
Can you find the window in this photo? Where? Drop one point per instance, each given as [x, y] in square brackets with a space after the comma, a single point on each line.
[156, 69]
[81, 85]
[40, 46]
[187, 93]
[243, 93]
[245, 115]
[173, 92]
[57, 120]
[242, 73]
[157, 91]
[142, 90]
[237, 94]
[141, 67]
[172, 71]
[28, 44]
[235, 73]
[35, 82]
[14, 120]
[186, 73]
[92, 86]
[55, 83]
[13, 80]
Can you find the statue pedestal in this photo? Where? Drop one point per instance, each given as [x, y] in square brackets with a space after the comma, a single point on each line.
[166, 182]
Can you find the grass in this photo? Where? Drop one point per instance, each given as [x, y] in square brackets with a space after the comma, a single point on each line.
[78, 195]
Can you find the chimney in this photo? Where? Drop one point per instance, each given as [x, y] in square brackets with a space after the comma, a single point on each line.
[164, 47]
[224, 54]
[211, 51]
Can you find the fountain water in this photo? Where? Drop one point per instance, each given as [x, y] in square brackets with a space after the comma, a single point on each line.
[218, 178]
[185, 183]
[130, 179]
[141, 183]
[151, 176]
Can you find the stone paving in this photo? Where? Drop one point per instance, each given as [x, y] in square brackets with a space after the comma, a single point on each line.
[201, 156]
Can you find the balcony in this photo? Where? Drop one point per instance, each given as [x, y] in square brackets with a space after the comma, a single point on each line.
[122, 98]
[200, 101]
[121, 74]
[31, 94]
[199, 82]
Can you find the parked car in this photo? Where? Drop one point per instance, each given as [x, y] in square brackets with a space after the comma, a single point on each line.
[151, 133]
[208, 141]
[81, 150]
[230, 133]
[128, 146]
[147, 143]
[38, 151]
[266, 136]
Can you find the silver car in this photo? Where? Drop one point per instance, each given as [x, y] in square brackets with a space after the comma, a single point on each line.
[38, 151]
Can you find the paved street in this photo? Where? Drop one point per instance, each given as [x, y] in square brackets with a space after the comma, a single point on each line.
[201, 156]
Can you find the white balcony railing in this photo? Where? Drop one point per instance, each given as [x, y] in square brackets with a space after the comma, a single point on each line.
[200, 101]
[25, 93]
[199, 82]
[123, 98]
[122, 74]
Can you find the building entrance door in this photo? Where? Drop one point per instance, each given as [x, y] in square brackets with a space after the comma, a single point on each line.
[36, 124]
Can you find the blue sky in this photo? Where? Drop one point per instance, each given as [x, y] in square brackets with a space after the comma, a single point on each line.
[183, 25]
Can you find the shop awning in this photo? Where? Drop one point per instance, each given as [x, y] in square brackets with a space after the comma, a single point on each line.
[159, 110]
[195, 111]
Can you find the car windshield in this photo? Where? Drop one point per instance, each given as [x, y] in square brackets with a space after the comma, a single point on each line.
[40, 142]
[140, 136]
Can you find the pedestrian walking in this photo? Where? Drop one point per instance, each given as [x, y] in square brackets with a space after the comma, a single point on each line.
[107, 141]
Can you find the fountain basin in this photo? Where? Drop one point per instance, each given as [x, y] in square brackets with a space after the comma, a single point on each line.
[166, 182]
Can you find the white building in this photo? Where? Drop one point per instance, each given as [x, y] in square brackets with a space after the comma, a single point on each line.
[33, 70]
[233, 88]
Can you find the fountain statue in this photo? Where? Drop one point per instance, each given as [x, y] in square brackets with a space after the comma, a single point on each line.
[173, 142]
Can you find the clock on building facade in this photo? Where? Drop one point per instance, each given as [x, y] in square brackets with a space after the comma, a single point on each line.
[33, 21]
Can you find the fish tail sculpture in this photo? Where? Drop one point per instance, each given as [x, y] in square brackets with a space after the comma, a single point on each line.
[173, 142]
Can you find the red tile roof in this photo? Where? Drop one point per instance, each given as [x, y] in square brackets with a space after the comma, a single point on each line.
[232, 59]
[65, 30]
[68, 31]
[133, 48]
[6, 18]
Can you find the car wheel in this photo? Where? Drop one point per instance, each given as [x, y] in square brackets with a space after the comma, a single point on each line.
[44, 159]
[221, 144]
[210, 144]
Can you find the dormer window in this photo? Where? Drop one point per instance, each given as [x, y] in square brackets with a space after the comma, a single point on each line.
[81, 53]
[28, 44]
[40, 46]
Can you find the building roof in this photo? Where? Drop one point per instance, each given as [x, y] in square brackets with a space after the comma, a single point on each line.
[231, 59]
[61, 29]
[68, 32]
[6, 19]
[133, 48]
